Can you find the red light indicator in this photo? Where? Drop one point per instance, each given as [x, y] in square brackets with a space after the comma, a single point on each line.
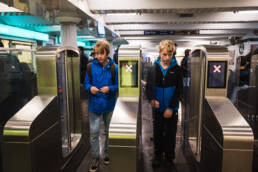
[216, 68]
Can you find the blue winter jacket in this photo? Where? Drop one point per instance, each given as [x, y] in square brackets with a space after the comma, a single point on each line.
[165, 86]
[101, 103]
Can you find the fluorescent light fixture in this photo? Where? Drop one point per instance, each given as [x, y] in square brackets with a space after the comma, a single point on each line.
[22, 33]
[87, 37]
[54, 28]
[248, 12]
[81, 44]
[121, 14]
[6, 8]
[101, 29]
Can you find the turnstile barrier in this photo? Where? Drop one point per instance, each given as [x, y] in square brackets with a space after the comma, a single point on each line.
[46, 134]
[123, 127]
[214, 130]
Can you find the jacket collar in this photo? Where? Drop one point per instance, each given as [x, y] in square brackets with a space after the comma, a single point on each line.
[172, 64]
[95, 61]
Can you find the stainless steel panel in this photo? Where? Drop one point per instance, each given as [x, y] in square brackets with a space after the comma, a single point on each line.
[198, 60]
[225, 129]
[253, 64]
[28, 132]
[225, 112]
[69, 97]
[29, 112]
[122, 134]
[129, 51]
[124, 119]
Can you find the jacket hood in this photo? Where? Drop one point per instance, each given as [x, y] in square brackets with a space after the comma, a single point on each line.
[173, 62]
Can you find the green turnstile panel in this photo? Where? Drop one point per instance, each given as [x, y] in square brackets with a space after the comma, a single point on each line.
[123, 158]
[18, 151]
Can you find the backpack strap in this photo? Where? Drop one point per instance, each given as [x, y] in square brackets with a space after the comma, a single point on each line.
[89, 71]
[113, 73]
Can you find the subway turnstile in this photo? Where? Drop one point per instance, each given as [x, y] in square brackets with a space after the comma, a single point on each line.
[123, 127]
[227, 139]
[47, 134]
[246, 103]
[215, 132]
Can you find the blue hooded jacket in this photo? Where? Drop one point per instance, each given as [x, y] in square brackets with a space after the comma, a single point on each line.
[101, 103]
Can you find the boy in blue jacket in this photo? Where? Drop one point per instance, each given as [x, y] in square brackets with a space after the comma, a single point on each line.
[164, 86]
[102, 86]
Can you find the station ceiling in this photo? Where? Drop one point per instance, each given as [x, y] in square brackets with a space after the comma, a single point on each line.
[190, 20]
[185, 21]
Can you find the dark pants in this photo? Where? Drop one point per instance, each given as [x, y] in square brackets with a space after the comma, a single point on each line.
[164, 134]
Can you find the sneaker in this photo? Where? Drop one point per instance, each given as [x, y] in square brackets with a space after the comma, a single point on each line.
[156, 162]
[94, 165]
[106, 160]
[171, 166]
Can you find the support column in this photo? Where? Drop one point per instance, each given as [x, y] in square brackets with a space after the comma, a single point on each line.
[111, 54]
[69, 34]
[68, 19]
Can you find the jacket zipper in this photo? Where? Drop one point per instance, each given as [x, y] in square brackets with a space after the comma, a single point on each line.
[163, 90]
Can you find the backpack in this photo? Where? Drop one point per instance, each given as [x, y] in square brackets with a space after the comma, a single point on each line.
[113, 72]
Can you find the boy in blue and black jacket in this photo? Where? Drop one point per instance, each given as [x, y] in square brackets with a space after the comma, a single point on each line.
[164, 87]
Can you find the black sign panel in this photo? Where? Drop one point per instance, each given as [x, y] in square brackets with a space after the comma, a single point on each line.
[158, 32]
[217, 71]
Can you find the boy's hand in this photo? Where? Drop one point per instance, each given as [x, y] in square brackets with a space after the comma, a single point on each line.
[168, 113]
[104, 89]
[94, 90]
[154, 103]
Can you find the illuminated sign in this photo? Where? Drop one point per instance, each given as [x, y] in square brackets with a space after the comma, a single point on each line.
[128, 68]
[101, 29]
[217, 71]
[216, 68]
[158, 32]
[128, 74]
[81, 44]
[22, 33]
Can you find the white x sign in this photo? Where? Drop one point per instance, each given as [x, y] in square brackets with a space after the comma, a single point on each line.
[216, 68]
[128, 68]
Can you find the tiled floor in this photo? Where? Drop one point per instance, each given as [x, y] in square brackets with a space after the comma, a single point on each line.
[147, 148]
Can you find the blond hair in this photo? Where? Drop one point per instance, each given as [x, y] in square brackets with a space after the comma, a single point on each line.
[168, 45]
[102, 46]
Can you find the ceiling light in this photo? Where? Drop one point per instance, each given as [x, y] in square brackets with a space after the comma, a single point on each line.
[247, 12]
[124, 14]
[6, 8]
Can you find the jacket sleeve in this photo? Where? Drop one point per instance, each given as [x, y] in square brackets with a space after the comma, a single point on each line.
[150, 84]
[174, 103]
[184, 63]
[87, 82]
[114, 88]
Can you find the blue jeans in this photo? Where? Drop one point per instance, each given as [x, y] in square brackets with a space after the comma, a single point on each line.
[235, 92]
[186, 81]
[95, 120]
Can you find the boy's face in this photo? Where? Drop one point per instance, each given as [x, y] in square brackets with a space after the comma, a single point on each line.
[166, 56]
[102, 57]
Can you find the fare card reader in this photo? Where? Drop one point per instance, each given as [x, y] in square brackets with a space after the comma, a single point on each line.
[123, 125]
